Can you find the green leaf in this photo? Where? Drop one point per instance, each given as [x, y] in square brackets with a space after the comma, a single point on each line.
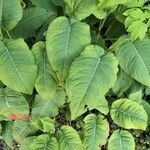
[134, 57]
[121, 140]
[91, 75]
[46, 4]
[23, 129]
[138, 29]
[129, 114]
[46, 83]
[44, 142]
[69, 139]
[17, 65]
[79, 9]
[123, 82]
[48, 108]
[13, 105]
[65, 41]
[32, 19]
[7, 133]
[10, 13]
[96, 131]
[26, 142]
[146, 107]
[45, 124]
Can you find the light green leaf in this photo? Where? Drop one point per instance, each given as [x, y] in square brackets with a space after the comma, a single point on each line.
[46, 83]
[13, 105]
[17, 65]
[44, 142]
[96, 131]
[121, 140]
[79, 9]
[45, 124]
[69, 139]
[123, 82]
[129, 114]
[32, 19]
[47, 107]
[26, 142]
[134, 59]
[137, 29]
[10, 13]
[65, 41]
[91, 75]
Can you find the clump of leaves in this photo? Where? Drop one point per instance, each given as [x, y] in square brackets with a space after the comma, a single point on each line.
[75, 74]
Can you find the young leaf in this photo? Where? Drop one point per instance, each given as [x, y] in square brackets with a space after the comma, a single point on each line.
[137, 29]
[48, 108]
[13, 105]
[32, 19]
[129, 114]
[91, 75]
[121, 140]
[69, 139]
[65, 41]
[80, 9]
[134, 59]
[10, 13]
[96, 131]
[45, 124]
[46, 83]
[44, 142]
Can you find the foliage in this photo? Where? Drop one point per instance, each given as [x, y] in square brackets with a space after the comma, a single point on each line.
[75, 74]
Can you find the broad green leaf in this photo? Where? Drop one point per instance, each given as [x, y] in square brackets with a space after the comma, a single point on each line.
[123, 82]
[46, 4]
[44, 142]
[46, 83]
[47, 108]
[10, 13]
[32, 19]
[45, 124]
[96, 131]
[121, 140]
[146, 107]
[80, 9]
[136, 92]
[134, 59]
[91, 75]
[13, 105]
[26, 142]
[7, 132]
[17, 65]
[129, 114]
[68, 139]
[65, 41]
[23, 129]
